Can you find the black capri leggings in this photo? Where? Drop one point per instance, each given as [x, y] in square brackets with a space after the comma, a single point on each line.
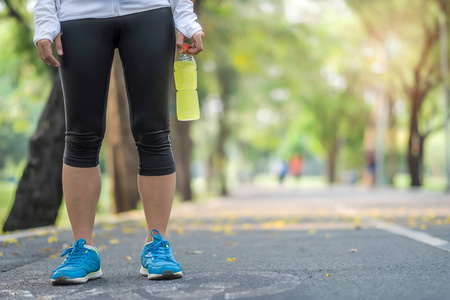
[146, 43]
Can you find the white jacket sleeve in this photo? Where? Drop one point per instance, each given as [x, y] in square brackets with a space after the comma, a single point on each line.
[46, 20]
[184, 17]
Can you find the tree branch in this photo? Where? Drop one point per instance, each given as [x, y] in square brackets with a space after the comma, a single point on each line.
[12, 12]
[433, 129]
[431, 36]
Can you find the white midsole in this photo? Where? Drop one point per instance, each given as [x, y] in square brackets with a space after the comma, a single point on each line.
[92, 275]
[144, 272]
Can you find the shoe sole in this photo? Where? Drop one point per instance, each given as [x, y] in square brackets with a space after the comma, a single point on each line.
[166, 275]
[62, 280]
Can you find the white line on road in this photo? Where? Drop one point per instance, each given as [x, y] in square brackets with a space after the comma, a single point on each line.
[399, 230]
[412, 234]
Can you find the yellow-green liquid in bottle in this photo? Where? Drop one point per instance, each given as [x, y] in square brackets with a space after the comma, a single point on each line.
[185, 73]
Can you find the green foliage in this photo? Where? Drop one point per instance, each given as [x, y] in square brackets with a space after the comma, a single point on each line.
[24, 84]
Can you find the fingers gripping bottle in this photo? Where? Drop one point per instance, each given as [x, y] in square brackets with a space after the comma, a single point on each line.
[185, 72]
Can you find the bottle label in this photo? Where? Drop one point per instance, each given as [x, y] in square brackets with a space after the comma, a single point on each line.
[185, 75]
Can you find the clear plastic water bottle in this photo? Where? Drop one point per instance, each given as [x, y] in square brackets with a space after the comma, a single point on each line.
[185, 72]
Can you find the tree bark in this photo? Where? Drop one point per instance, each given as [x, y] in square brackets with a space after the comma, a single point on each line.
[121, 152]
[39, 193]
[415, 144]
[391, 142]
[220, 157]
[331, 162]
[182, 150]
[227, 79]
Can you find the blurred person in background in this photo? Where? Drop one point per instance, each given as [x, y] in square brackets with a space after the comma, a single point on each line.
[369, 173]
[296, 166]
[85, 36]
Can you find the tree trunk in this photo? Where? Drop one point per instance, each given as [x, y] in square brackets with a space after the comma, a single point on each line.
[121, 152]
[415, 159]
[331, 168]
[209, 176]
[220, 157]
[391, 142]
[182, 149]
[227, 79]
[39, 194]
[415, 145]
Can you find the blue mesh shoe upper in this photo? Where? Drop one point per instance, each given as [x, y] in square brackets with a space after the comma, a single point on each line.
[157, 256]
[80, 262]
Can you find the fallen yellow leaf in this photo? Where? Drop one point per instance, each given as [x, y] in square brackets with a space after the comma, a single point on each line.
[423, 227]
[1, 253]
[113, 241]
[216, 228]
[45, 250]
[101, 247]
[10, 241]
[328, 275]
[246, 226]
[52, 256]
[228, 231]
[106, 235]
[106, 226]
[52, 239]
[127, 230]
[231, 259]
[179, 231]
[127, 258]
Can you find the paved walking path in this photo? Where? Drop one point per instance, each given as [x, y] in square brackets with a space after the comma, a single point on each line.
[260, 243]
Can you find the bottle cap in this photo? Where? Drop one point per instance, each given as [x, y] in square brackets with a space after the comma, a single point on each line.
[186, 47]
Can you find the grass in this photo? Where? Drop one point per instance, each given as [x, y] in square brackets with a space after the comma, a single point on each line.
[435, 184]
[7, 190]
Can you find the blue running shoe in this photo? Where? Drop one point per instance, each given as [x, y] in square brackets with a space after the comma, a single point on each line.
[81, 264]
[157, 261]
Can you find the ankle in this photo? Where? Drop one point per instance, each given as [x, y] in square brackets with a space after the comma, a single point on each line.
[149, 238]
[89, 241]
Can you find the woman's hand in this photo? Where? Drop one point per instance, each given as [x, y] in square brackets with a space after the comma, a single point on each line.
[45, 50]
[196, 48]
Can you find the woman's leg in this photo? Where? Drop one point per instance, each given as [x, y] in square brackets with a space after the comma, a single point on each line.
[147, 48]
[81, 188]
[157, 194]
[85, 70]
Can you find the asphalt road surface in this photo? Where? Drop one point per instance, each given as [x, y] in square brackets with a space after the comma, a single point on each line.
[259, 243]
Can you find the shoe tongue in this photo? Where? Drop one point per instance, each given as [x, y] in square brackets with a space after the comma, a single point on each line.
[79, 243]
